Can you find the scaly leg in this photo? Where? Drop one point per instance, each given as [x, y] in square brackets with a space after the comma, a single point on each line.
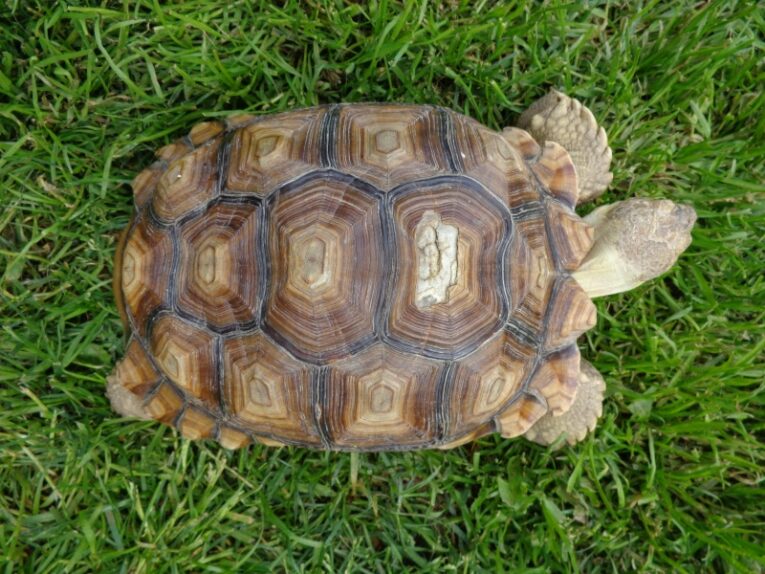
[578, 420]
[556, 117]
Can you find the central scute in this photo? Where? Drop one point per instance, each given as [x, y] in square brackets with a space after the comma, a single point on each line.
[413, 267]
[326, 264]
[451, 240]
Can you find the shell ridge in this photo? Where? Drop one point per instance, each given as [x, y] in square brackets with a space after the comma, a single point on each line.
[172, 284]
[445, 129]
[263, 260]
[442, 401]
[328, 139]
[222, 164]
[217, 371]
[320, 402]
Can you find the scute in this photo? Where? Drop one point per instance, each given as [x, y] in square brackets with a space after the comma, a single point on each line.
[136, 370]
[489, 158]
[390, 145]
[475, 306]
[165, 404]
[381, 399]
[196, 423]
[556, 173]
[571, 313]
[219, 265]
[267, 391]
[187, 183]
[146, 258]
[532, 280]
[555, 379]
[326, 265]
[523, 412]
[486, 381]
[266, 152]
[570, 236]
[185, 354]
[354, 277]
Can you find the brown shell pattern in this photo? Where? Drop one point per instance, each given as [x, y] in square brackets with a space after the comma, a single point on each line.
[354, 277]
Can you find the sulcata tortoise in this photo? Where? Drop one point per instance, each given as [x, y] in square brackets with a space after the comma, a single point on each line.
[377, 277]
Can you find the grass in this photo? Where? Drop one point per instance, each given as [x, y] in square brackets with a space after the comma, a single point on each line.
[672, 480]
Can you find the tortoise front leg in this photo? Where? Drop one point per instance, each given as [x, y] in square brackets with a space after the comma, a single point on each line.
[556, 117]
[580, 418]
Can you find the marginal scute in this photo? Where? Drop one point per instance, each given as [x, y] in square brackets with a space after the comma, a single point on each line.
[570, 235]
[135, 371]
[267, 441]
[519, 416]
[268, 391]
[232, 438]
[486, 380]
[173, 151]
[146, 257]
[274, 150]
[473, 307]
[145, 183]
[204, 131]
[556, 173]
[389, 145]
[483, 430]
[556, 379]
[187, 183]
[219, 269]
[164, 404]
[184, 352]
[327, 266]
[238, 121]
[571, 313]
[522, 141]
[381, 398]
[196, 424]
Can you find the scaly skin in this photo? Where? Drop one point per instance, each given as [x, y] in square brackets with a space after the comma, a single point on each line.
[580, 418]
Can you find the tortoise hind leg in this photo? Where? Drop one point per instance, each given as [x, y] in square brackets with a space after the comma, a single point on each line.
[556, 117]
[580, 418]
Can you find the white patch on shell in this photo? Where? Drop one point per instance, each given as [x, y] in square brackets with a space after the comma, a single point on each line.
[436, 248]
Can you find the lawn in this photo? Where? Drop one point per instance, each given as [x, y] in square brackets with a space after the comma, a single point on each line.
[672, 479]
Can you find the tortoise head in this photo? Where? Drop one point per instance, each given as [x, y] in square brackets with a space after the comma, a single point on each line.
[635, 241]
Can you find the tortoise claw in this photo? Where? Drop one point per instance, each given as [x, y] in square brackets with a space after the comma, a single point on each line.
[580, 418]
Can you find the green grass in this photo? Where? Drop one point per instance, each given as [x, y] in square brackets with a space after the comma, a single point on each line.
[672, 480]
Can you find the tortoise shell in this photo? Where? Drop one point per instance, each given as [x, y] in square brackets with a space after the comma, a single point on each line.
[353, 277]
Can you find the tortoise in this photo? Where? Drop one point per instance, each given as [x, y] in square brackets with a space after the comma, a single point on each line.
[370, 277]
